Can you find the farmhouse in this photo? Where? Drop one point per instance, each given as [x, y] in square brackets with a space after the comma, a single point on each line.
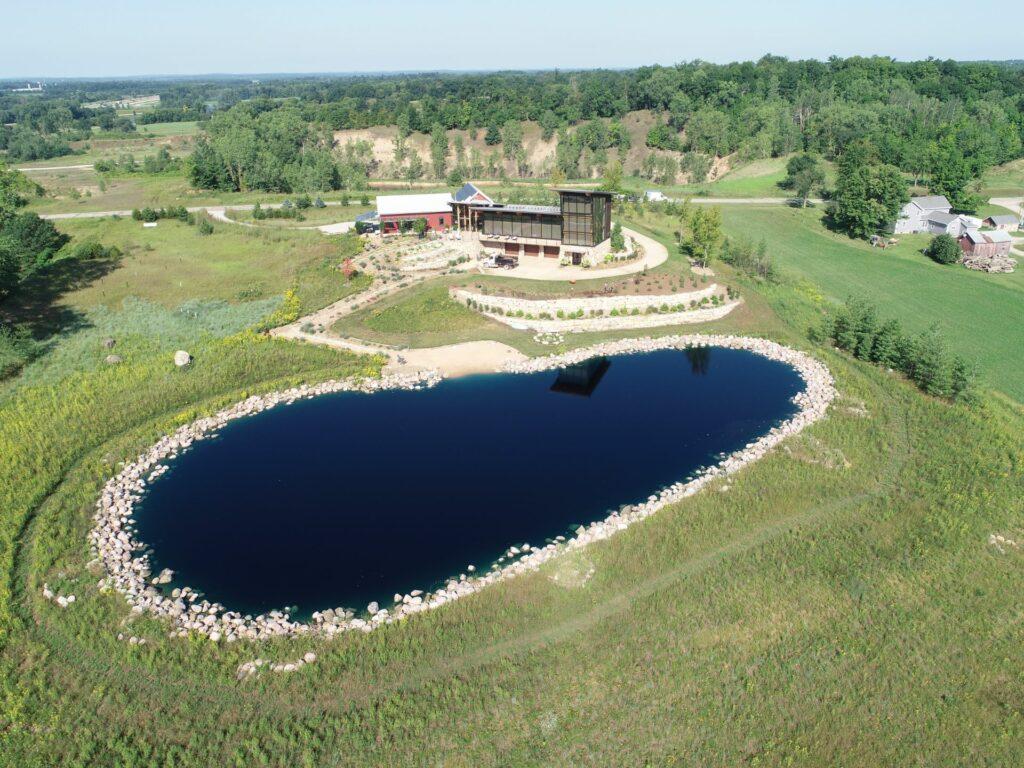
[398, 212]
[915, 215]
[1006, 222]
[578, 228]
[975, 243]
[939, 223]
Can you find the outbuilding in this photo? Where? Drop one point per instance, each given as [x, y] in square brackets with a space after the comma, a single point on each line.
[1006, 222]
[987, 244]
[397, 213]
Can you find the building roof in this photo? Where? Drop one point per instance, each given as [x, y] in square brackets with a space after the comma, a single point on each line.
[1001, 219]
[407, 205]
[552, 210]
[468, 191]
[368, 216]
[932, 202]
[974, 236]
[998, 236]
[569, 190]
[942, 218]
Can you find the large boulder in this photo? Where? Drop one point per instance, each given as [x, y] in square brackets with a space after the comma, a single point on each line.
[112, 359]
[182, 358]
[109, 343]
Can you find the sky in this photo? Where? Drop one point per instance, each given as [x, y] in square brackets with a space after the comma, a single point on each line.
[107, 38]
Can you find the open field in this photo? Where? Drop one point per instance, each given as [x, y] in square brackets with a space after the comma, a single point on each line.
[171, 264]
[980, 314]
[1004, 180]
[185, 128]
[311, 216]
[759, 178]
[849, 569]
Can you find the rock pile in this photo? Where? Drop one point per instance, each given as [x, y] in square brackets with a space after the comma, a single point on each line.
[994, 263]
[250, 668]
[129, 569]
[128, 566]
[62, 600]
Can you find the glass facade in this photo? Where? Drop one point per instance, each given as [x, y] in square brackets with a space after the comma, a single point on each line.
[514, 224]
[586, 218]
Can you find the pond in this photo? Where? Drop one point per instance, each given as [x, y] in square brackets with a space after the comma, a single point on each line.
[348, 498]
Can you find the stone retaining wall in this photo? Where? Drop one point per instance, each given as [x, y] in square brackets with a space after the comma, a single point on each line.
[511, 305]
[129, 571]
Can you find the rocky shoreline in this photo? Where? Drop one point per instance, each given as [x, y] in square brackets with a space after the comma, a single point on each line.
[128, 566]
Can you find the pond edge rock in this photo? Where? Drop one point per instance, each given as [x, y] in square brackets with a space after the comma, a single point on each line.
[128, 566]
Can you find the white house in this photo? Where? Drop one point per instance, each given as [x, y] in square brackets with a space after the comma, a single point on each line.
[916, 214]
[939, 223]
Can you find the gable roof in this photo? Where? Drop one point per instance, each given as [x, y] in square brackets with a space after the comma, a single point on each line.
[932, 203]
[940, 217]
[998, 236]
[1001, 219]
[468, 191]
[407, 205]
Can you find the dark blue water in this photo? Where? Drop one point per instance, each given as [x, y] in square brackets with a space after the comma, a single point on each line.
[348, 498]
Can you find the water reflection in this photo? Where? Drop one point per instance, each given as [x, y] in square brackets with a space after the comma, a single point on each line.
[700, 360]
[582, 378]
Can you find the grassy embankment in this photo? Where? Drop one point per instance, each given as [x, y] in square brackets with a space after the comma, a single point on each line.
[838, 605]
[171, 288]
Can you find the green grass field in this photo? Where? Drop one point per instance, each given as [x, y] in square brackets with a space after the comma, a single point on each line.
[979, 313]
[850, 568]
[172, 263]
[185, 128]
[1004, 180]
[839, 605]
[759, 178]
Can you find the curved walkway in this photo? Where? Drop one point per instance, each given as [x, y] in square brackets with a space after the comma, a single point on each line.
[449, 360]
[541, 268]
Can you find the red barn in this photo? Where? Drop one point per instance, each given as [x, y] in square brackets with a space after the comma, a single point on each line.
[397, 212]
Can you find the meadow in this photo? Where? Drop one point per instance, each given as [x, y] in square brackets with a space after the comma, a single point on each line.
[840, 602]
[816, 612]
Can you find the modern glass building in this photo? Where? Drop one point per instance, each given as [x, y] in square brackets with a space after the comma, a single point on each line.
[586, 216]
[576, 226]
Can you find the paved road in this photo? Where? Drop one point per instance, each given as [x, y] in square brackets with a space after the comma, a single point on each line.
[192, 209]
[249, 206]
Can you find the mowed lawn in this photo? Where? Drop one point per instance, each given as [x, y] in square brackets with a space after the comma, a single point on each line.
[981, 315]
[186, 128]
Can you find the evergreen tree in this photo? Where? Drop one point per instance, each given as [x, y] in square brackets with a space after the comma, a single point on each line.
[885, 349]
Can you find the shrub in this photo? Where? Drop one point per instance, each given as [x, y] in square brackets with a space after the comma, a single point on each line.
[943, 249]
[205, 227]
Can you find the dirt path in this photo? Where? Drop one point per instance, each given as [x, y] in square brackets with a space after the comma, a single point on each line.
[35, 168]
[450, 360]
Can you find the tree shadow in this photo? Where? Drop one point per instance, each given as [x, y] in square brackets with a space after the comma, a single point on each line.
[36, 305]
